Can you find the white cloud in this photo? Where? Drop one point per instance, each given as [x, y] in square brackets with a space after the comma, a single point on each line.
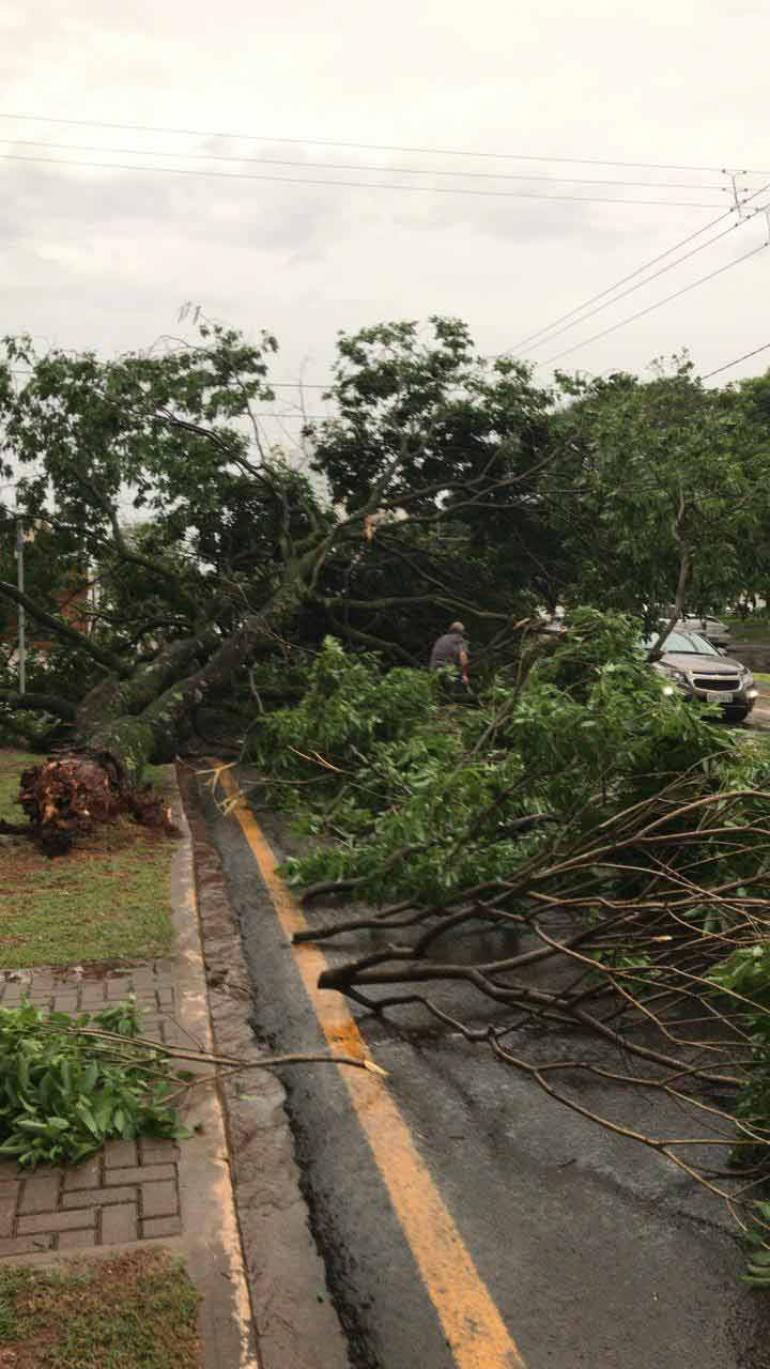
[104, 258]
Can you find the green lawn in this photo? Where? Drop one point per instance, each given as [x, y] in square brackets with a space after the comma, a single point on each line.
[752, 629]
[107, 900]
[137, 1311]
[11, 765]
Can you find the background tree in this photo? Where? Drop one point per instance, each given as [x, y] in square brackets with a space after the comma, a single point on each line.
[661, 493]
[455, 447]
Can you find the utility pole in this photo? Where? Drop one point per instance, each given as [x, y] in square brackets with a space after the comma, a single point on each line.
[22, 616]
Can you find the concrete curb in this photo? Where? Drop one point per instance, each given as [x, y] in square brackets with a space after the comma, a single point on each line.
[296, 1322]
[212, 1240]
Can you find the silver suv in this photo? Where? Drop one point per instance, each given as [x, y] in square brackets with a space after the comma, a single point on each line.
[691, 664]
[713, 629]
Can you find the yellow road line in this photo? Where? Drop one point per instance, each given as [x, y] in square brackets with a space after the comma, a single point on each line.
[473, 1327]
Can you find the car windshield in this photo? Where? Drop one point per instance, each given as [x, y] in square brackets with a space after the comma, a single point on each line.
[683, 644]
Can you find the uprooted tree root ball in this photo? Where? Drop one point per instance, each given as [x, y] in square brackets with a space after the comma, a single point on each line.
[68, 795]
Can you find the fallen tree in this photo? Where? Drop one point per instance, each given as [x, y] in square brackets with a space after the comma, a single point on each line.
[240, 564]
[574, 874]
[175, 559]
[613, 840]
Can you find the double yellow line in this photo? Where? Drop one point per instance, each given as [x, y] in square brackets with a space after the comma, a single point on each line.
[474, 1329]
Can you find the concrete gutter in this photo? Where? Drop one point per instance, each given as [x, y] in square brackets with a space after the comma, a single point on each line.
[246, 1236]
[296, 1322]
[211, 1240]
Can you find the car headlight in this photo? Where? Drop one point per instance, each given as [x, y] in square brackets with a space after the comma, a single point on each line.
[673, 680]
[747, 683]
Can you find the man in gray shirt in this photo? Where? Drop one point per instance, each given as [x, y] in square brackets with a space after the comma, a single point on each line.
[452, 650]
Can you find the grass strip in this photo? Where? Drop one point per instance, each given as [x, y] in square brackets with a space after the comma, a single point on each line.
[107, 900]
[136, 1311]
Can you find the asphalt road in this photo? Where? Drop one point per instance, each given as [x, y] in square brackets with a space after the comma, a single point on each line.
[595, 1252]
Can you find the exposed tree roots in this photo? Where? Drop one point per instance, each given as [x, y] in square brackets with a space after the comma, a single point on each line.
[70, 794]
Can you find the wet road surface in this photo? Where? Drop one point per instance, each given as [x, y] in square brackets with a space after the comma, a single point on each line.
[592, 1251]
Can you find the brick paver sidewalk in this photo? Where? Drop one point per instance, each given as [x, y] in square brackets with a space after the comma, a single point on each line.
[130, 1190]
[149, 1190]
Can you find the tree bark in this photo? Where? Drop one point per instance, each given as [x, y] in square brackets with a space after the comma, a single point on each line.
[683, 580]
[126, 722]
[39, 703]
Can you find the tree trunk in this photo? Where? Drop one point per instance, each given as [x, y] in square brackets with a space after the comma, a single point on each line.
[124, 724]
[685, 570]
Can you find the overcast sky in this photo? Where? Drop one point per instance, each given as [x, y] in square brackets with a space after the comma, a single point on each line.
[104, 258]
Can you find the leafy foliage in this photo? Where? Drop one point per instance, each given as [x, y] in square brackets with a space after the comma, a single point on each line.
[613, 828]
[446, 485]
[348, 706]
[63, 1092]
[425, 797]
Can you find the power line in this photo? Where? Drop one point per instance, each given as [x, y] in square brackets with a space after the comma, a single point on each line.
[371, 147]
[550, 328]
[686, 289]
[271, 385]
[610, 288]
[608, 304]
[359, 185]
[357, 166]
[729, 364]
[298, 385]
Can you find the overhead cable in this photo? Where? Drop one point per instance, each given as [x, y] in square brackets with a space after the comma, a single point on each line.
[729, 364]
[357, 166]
[647, 280]
[271, 384]
[659, 303]
[372, 147]
[530, 339]
[358, 185]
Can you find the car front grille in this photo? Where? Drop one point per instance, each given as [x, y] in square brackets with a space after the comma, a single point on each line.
[723, 683]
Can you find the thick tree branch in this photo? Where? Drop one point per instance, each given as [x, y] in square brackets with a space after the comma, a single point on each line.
[403, 600]
[63, 631]
[39, 703]
[685, 567]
